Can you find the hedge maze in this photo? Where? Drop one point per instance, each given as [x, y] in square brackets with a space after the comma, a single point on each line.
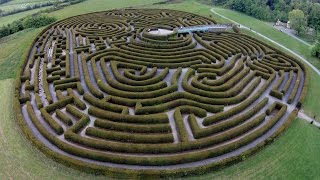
[100, 92]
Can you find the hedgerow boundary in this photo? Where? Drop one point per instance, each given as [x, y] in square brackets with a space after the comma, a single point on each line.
[176, 172]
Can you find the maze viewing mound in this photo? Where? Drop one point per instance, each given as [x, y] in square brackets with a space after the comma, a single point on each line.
[100, 92]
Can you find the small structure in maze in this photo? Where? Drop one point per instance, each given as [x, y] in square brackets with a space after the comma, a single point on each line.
[100, 92]
[205, 28]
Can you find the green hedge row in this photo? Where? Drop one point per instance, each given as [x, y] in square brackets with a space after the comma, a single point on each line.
[59, 104]
[224, 94]
[235, 110]
[135, 128]
[52, 123]
[154, 138]
[176, 103]
[139, 119]
[134, 82]
[288, 83]
[63, 117]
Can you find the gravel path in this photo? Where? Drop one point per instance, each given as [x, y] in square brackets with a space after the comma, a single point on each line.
[308, 118]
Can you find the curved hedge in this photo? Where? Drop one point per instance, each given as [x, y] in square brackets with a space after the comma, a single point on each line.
[104, 90]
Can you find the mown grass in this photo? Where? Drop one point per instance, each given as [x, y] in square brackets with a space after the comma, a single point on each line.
[13, 49]
[99, 5]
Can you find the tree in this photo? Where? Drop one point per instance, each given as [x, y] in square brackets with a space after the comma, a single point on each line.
[4, 1]
[298, 20]
[316, 48]
[314, 16]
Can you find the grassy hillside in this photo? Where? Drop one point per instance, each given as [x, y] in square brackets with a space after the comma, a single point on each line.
[9, 19]
[18, 4]
[13, 49]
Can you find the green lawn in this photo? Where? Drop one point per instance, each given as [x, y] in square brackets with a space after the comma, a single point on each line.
[13, 49]
[99, 5]
[81, 8]
[295, 155]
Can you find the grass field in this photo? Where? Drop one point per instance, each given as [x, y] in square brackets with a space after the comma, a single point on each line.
[13, 49]
[9, 19]
[295, 155]
[99, 5]
[18, 4]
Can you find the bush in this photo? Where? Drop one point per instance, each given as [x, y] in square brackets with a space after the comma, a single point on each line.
[35, 21]
[236, 28]
[316, 50]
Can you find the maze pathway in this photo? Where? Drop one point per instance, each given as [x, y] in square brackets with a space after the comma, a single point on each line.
[98, 91]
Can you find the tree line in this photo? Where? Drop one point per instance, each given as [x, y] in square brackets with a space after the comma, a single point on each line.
[272, 10]
[4, 1]
[32, 21]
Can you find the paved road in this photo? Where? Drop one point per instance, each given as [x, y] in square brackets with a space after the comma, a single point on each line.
[307, 118]
[301, 114]
[291, 32]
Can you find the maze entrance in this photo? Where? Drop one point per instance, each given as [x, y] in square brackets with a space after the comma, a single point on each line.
[100, 91]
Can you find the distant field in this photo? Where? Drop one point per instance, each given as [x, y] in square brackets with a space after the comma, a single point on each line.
[18, 4]
[99, 5]
[9, 19]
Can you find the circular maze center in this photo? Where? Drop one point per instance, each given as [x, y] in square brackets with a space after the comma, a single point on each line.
[154, 91]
